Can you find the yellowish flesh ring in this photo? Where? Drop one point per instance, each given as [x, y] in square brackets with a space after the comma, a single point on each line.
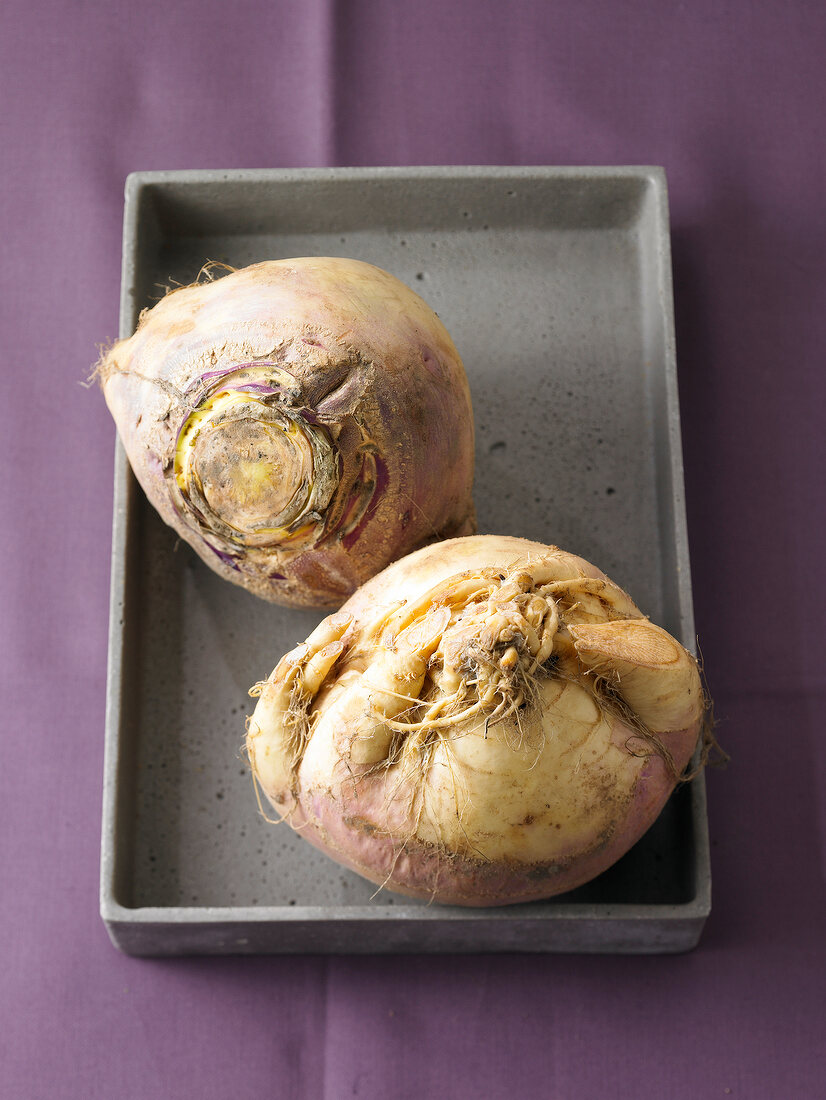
[306, 494]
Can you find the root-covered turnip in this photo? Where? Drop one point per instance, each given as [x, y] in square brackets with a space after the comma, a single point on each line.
[301, 423]
[489, 720]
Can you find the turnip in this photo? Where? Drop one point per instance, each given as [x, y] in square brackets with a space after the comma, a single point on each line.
[301, 423]
[487, 721]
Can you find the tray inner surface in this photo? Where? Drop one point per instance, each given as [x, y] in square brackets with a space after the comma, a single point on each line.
[552, 291]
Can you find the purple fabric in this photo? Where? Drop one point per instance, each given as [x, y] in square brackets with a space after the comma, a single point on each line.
[729, 98]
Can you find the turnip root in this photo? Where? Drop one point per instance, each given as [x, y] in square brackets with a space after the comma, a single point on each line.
[301, 423]
[487, 721]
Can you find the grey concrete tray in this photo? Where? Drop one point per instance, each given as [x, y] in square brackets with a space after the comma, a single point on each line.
[555, 284]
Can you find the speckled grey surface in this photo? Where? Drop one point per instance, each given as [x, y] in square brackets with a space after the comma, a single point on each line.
[555, 285]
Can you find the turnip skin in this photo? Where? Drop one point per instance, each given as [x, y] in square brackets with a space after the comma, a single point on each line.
[344, 356]
[487, 815]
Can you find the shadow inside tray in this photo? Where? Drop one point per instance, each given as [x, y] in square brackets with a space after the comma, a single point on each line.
[658, 870]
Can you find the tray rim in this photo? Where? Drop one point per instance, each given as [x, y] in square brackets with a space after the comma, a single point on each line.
[695, 910]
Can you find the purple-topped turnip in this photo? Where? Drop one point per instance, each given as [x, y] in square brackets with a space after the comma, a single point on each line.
[487, 721]
[300, 423]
